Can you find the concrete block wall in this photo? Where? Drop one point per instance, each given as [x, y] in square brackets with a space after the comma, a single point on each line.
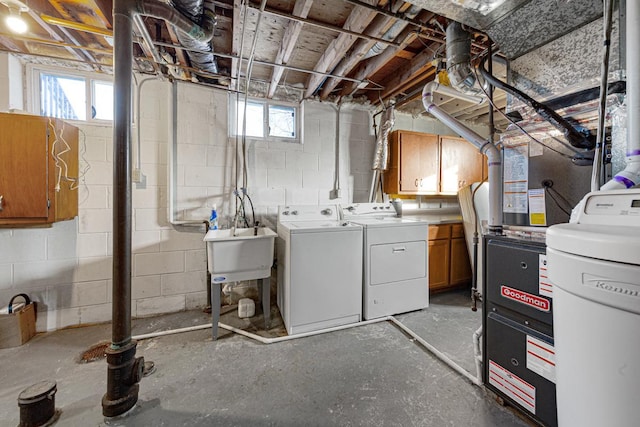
[278, 172]
[67, 268]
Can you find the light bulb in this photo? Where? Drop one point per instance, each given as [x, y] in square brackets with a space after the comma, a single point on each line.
[16, 23]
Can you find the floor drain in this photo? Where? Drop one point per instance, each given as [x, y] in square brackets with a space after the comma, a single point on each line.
[95, 352]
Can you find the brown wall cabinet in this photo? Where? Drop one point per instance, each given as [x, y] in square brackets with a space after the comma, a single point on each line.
[38, 170]
[449, 265]
[423, 164]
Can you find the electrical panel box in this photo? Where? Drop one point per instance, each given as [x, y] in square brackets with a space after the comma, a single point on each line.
[518, 344]
[38, 170]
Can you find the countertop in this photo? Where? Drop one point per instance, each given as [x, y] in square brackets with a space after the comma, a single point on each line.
[436, 218]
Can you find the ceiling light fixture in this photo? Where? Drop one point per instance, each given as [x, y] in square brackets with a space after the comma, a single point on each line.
[14, 21]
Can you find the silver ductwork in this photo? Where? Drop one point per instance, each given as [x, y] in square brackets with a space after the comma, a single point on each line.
[459, 67]
[381, 155]
[392, 33]
[200, 53]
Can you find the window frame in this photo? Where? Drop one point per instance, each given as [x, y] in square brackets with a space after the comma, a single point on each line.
[266, 103]
[34, 91]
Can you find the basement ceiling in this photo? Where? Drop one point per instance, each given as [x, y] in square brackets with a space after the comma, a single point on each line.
[368, 50]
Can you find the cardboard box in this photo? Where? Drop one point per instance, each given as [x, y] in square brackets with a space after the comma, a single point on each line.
[18, 327]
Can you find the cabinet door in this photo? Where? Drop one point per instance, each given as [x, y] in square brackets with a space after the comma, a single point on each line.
[410, 162]
[439, 264]
[461, 164]
[24, 172]
[418, 163]
[460, 266]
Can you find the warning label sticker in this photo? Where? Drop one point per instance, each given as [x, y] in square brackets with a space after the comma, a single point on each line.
[545, 287]
[513, 386]
[541, 358]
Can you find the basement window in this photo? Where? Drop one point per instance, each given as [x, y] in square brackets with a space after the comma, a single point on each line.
[71, 96]
[265, 119]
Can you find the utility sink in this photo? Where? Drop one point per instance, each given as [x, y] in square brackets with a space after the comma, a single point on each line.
[243, 256]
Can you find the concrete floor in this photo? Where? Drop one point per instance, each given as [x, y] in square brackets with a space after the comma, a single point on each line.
[370, 375]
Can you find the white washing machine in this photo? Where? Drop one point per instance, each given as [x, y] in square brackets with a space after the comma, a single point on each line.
[594, 266]
[395, 269]
[319, 268]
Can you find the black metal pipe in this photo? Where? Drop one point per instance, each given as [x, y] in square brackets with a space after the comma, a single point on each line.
[123, 66]
[577, 135]
[124, 370]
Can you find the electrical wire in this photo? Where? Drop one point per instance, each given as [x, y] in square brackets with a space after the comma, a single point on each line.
[550, 191]
[58, 160]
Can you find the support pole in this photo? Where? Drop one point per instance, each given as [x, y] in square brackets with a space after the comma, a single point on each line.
[124, 370]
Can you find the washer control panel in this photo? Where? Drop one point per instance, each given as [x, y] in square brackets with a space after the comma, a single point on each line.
[307, 213]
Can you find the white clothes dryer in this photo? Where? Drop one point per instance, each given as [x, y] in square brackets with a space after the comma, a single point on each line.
[395, 268]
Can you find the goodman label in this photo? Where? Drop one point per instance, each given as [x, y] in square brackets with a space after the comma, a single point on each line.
[525, 298]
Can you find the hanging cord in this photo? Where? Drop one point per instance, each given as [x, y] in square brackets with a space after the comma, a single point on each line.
[513, 122]
[59, 160]
[597, 172]
[557, 198]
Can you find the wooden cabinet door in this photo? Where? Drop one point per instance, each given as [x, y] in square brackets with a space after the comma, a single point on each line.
[429, 175]
[414, 164]
[461, 164]
[24, 169]
[460, 266]
[410, 165]
[439, 263]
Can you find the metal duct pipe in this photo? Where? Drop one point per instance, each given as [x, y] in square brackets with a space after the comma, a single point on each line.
[159, 10]
[124, 370]
[630, 176]
[381, 155]
[392, 33]
[459, 68]
[204, 58]
[485, 146]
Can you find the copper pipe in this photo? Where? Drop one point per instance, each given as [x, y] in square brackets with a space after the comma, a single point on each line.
[52, 20]
[56, 43]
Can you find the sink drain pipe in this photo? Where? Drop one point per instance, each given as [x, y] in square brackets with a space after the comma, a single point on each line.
[264, 340]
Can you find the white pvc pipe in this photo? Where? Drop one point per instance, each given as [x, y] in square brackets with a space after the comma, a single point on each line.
[484, 146]
[265, 340]
[477, 353]
[475, 380]
[170, 332]
[453, 365]
[630, 176]
[453, 93]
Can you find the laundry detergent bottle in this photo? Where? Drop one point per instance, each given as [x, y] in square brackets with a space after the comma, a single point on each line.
[213, 219]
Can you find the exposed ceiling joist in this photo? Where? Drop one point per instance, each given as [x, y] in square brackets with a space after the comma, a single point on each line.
[358, 20]
[289, 40]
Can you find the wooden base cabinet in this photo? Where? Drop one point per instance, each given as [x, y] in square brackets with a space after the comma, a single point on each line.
[38, 170]
[449, 265]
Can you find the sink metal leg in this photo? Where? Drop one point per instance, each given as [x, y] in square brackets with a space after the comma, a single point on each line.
[265, 284]
[215, 308]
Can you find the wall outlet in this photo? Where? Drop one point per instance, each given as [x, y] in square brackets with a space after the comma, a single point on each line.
[136, 175]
